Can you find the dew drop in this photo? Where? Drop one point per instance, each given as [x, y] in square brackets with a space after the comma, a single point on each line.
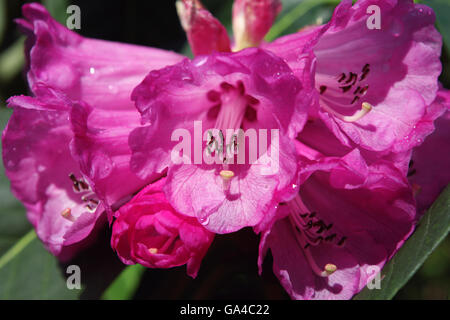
[204, 221]
[91, 70]
[112, 89]
[294, 186]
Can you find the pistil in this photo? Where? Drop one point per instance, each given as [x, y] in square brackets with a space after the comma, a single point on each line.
[365, 109]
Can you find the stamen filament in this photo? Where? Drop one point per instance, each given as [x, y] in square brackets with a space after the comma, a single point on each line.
[329, 268]
[365, 109]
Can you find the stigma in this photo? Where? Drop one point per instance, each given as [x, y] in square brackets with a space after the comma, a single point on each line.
[226, 176]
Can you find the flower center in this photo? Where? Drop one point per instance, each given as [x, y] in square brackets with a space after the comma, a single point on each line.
[166, 246]
[349, 90]
[312, 231]
[231, 107]
[87, 196]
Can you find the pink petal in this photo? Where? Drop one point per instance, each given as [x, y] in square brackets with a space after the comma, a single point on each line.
[99, 72]
[429, 171]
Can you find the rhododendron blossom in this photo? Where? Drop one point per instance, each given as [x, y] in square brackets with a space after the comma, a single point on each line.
[368, 80]
[68, 73]
[315, 140]
[248, 89]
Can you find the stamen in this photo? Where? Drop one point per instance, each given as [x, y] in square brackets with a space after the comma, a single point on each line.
[226, 175]
[67, 214]
[365, 109]
[329, 268]
[303, 222]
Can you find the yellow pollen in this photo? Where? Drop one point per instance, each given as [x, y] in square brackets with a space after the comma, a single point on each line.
[330, 268]
[153, 250]
[366, 106]
[227, 174]
[66, 213]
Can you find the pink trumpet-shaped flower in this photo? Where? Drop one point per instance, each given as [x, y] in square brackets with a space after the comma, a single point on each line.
[77, 83]
[373, 84]
[251, 90]
[347, 220]
[150, 232]
[44, 176]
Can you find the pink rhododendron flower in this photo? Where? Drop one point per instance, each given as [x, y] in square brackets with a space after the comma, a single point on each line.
[44, 176]
[250, 90]
[370, 187]
[150, 232]
[69, 73]
[374, 85]
[347, 218]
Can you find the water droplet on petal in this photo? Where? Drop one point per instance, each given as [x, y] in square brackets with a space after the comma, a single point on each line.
[204, 221]
[112, 89]
[294, 186]
[91, 70]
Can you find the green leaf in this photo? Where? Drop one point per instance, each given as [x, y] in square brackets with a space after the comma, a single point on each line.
[13, 222]
[58, 9]
[292, 16]
[432, 229]
[3, 19]
[125, 285]
[12, 60]
[442, 10]
[28, 271]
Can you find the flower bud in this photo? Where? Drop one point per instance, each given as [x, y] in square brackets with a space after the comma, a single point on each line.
[252, 19]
